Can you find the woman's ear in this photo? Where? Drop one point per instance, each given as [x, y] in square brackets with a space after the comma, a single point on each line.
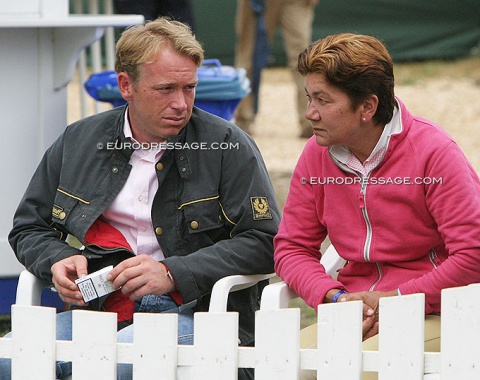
[369, 105]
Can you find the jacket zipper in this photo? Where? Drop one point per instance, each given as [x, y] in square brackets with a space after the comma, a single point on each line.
[363, 207]
[368, 239]
[433, 255]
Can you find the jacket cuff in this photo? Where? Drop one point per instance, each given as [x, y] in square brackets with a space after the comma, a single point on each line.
[176, 295]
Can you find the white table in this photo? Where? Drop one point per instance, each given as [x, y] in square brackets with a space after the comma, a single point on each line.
[38, 56]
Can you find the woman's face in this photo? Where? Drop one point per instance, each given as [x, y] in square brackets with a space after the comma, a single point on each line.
[330, 112]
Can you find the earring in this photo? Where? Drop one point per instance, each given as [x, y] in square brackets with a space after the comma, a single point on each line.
[364, 119]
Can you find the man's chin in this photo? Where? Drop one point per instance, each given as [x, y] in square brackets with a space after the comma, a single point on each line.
[173, 131]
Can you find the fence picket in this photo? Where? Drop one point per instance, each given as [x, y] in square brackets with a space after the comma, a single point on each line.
[401, 337]
[216, 346]
[94, 347]
[339, 341]
[33, 343]
[460, 330]
[277, 344]
[94, 351]
[155, 351]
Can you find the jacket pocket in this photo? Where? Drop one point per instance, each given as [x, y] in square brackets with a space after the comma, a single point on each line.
[202, 215]
[63, 206]
[203, 224]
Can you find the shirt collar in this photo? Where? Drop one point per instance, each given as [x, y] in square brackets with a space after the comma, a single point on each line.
[127, 130]
[152, 154]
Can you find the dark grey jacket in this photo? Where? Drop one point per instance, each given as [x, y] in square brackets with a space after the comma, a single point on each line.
[214, 214]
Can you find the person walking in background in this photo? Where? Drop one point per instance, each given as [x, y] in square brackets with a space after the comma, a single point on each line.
[180, 10]
[134, 187]
[253, 20]
[393, 192]
[251, 53]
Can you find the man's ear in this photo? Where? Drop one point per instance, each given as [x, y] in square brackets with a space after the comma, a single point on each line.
[125, 85]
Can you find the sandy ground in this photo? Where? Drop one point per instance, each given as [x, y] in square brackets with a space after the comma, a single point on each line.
[453, 104]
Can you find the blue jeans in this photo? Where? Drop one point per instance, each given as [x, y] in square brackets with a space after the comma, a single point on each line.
[147, 304]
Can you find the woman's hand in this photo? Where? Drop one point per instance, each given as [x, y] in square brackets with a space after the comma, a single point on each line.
[370, 309]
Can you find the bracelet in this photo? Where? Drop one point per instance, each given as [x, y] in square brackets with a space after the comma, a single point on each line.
[338, 294]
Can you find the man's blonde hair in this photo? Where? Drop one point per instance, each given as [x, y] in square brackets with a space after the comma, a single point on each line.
[142, 43]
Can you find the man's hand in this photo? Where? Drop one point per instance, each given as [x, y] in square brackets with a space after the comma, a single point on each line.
[139, 276]
[64, 274]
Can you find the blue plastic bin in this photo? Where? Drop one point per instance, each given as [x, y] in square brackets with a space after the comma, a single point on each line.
[220, 88]
[8, 290]
[103, 87]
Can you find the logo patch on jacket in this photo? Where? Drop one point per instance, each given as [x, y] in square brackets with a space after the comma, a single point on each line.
[260, 208]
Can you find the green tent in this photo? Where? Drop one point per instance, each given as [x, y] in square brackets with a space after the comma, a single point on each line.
[411, 29]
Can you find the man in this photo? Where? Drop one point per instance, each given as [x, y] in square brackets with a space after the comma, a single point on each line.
[174, 197]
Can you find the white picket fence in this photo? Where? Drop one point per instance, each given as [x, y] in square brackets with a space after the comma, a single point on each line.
[276, 355]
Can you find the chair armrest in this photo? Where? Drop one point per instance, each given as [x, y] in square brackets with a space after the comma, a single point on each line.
[331, 261]
[223, 287]
[29, 289]
[277, 296]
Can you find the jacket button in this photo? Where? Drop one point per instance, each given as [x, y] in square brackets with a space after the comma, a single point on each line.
[159, 166]
[194, 225]
[114, 169]
[158, 231]
[62, 215]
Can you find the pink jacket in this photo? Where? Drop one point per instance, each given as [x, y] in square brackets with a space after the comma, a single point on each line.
[414, 227]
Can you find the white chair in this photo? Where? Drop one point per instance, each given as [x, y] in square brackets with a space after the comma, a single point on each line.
[278, 295]
[30, 288]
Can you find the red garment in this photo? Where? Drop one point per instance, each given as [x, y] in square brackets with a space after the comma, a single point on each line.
[106, 236]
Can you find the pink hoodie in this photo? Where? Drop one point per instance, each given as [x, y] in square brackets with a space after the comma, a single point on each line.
[415, 227]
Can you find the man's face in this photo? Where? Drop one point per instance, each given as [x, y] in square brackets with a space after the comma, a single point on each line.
[161, 103]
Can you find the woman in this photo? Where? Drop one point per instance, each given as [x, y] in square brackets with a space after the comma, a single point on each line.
[393, 192]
